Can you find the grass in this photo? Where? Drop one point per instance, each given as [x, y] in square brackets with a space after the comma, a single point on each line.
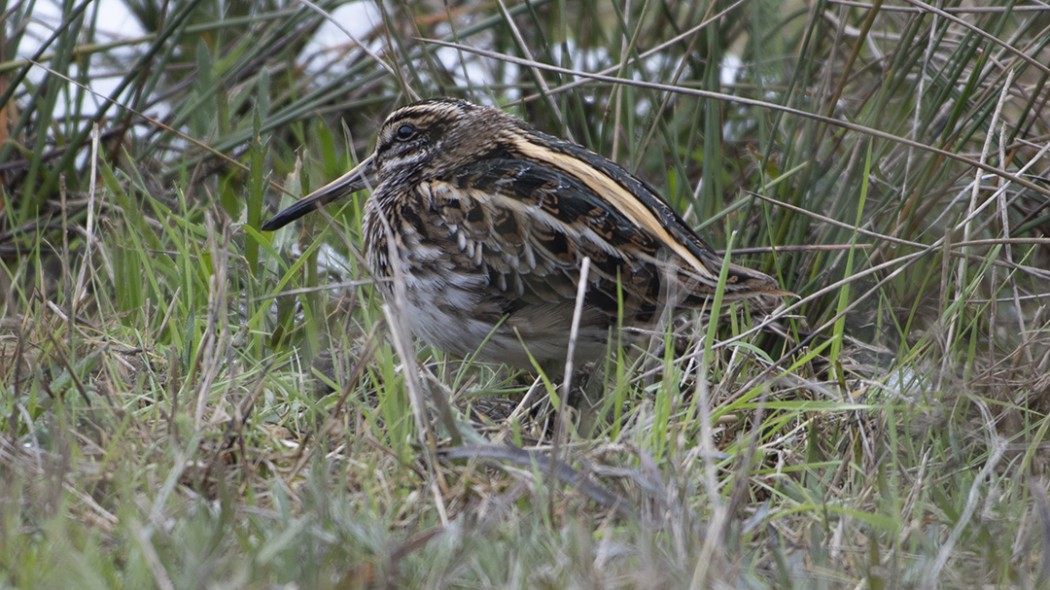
[189, 402]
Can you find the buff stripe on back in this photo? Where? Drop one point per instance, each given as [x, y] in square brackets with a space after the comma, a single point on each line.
[619, 197]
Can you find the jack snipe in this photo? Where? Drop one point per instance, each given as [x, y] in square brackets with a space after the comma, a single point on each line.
[487, 222]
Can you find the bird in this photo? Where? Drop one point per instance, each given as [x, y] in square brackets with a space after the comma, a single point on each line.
[479, 224]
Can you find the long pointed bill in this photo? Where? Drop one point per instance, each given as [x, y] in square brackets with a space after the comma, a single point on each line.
[346, 184]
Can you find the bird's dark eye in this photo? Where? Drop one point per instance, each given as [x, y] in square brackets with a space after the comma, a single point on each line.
[405, 132]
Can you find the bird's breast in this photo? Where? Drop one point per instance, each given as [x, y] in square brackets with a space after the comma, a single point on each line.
[420, 236]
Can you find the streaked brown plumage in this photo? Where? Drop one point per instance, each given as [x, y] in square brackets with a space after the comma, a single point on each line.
[487, 222]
